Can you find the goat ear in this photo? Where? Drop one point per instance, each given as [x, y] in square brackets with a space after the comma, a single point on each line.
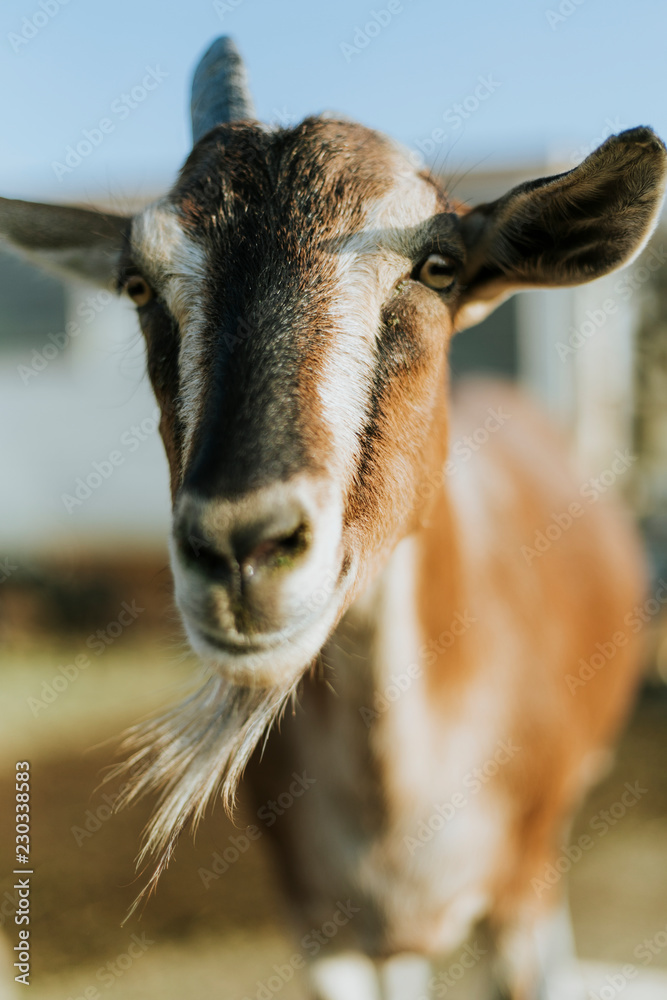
[566, 229]
[76, 241]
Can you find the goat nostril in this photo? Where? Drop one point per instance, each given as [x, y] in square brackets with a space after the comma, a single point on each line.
[214, 565]
[221, 544]
[199, 554]
[277, 552]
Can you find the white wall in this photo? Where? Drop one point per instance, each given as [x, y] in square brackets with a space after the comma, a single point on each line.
[576, 356]
[88, 401]
[84, 404]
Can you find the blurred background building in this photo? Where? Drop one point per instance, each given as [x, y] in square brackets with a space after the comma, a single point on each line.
[81, 532]
[74, 392]
[84, 518]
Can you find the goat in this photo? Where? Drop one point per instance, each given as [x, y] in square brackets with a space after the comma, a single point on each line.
[297, 290]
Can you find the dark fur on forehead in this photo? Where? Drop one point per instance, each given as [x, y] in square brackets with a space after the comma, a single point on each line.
[268, 209]
[263, 205]
[315, 168]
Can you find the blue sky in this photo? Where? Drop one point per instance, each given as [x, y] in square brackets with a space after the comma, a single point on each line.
[551, 77]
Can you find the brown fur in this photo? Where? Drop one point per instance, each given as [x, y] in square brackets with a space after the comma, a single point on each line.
[309, 242]
[516, 653]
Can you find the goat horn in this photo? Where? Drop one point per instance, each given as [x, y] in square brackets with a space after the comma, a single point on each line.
[219, 89]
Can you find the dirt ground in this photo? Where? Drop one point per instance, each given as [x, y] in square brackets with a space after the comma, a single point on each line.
[218, 941]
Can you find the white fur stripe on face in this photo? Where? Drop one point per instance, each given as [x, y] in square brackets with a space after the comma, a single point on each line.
[369, 263]
[177, 265]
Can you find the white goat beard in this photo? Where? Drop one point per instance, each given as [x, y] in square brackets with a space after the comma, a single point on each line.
[190, 753]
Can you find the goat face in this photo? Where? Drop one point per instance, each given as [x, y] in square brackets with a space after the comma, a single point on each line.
[300, 364]
[297, 290]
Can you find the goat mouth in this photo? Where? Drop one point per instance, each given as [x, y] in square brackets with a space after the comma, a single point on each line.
[276, 657]
[259, 661]
[238, 645]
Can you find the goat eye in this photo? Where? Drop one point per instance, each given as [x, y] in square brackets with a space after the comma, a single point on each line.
[437, 272]
[139, 290]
